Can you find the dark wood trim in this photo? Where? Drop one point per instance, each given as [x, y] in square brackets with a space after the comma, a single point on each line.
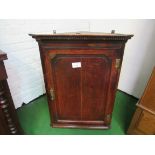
[62, 125]
[8, 117]
[3, 56]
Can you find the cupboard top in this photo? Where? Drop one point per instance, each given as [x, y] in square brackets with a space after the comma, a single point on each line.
[82, 36]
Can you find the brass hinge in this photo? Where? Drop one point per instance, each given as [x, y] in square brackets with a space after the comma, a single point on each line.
[52, 94]
[118, 63]
[108, 118]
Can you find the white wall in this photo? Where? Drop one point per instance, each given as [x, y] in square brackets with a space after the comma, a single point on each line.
[139, 56]
[24, 67]
[23, 64]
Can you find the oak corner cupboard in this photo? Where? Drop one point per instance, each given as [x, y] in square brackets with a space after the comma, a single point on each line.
[81, 72]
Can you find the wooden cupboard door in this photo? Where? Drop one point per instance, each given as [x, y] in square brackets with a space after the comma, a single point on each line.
[81, 86]
[95, 82]
[67, 87]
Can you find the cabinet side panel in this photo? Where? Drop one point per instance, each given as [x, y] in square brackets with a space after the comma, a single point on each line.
[148, 99]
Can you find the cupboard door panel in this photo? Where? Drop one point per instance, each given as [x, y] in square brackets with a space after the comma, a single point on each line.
[81, 85]
[67, 87]
[95, 82]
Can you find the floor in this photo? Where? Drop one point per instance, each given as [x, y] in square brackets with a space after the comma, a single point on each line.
[34, 118]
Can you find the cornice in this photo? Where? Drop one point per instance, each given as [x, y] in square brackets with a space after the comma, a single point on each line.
[81, 37]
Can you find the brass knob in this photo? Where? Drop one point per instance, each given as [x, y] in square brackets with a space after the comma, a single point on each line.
[52, 94]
